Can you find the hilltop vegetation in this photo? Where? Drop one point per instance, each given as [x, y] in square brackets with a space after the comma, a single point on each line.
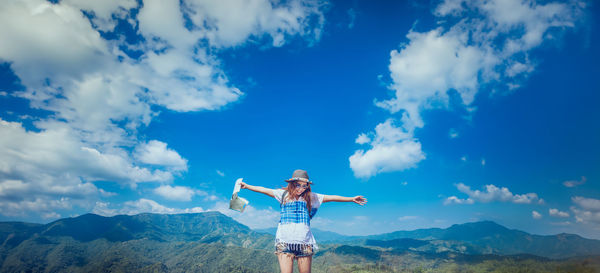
[143, 255]
[361, 259]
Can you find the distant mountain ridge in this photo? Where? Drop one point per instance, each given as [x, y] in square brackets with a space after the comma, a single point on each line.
[322, 236]
[484, 237]
[211, 241]
[487, 237]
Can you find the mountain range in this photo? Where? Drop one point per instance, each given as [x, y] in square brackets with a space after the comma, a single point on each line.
[485, 237]
[202, 242]
[213, 242]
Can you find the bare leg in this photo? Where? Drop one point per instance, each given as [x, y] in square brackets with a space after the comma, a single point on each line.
[286, 263]
[304, 264]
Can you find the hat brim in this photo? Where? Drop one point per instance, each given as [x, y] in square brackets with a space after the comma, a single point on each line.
[296, 179]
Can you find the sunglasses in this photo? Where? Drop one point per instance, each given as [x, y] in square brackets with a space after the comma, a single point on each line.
[303, 186]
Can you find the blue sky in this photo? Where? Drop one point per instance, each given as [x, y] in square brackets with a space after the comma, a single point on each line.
[439, 112]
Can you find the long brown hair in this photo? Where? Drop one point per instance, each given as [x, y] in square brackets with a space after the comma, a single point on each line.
[291, 189]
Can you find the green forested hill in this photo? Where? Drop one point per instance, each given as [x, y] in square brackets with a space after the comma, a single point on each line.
[140, 255]
[13, 233]
[197, 227]
[199, 242]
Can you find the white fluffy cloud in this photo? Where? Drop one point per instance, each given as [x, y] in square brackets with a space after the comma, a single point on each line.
[251, 217]
[587, 210]
[156, 152]
[391, 149]
[60, 153]
[178, 193]
[558, 213]
[432, 63]
[35, 55]
[575, 183]
[104, 11]
[41, 172]
[362, 139]
[536, 215]
[99, 97]
[590, 204]
[140, 206]
[477, 42]
[322, 223]
[456, 200]
[491, 194]
[230, 23]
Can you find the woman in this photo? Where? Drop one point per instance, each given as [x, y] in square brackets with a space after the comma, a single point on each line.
[294, 240]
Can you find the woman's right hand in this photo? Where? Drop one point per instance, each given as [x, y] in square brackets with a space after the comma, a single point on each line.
[243, 185]
[359, 200]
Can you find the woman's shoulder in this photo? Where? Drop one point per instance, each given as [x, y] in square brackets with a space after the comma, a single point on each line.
[317, 197]
[314, 194]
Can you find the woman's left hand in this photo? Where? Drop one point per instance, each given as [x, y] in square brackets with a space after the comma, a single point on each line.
[359, 200]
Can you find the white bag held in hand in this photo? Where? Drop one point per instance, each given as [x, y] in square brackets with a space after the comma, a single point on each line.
[237, 203]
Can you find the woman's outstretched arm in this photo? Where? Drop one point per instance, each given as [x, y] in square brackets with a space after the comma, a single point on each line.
[264, 190]
[359, 199]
